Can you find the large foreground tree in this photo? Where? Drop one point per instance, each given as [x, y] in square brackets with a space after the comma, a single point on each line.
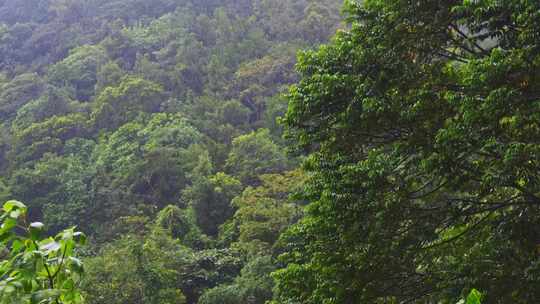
[423, 120]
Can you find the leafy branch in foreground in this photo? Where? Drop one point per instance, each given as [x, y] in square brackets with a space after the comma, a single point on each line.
[35, 269]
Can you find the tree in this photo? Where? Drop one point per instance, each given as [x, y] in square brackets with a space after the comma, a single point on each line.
[17, 92]
[58, 189]
[264, 212]
[135, 270]
[210, 196]
[122, 103]
[151, 157]
[319, 22]
[256, 80]
[79, 71]
[49, 136]
[181, 224]
[155, 268]
[421, 120]
[220, 120]
[35, 269]
[255, 154]
[52, 102]
[254, 285]
[108, 75]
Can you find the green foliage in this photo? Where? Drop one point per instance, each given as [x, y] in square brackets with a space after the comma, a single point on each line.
[58, 188]
[108, 75]
[150, 157]
[255, 154]
[49, 136]
[36, 269]
[79, 71]
[263, 212]
[421, 120]
[52, 102]
[133, 269]
[254, 285]
[181, 224]
[474, 297]
[17, 92]
[122, 103]
[140, 122]
[210, 198]
[155, 268]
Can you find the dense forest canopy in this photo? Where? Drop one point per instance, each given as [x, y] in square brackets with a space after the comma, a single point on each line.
[397, 163]
[113, 109]
[151, 126]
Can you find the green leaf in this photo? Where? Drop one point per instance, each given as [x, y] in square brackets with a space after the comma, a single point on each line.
[68, 284]
[9, 223]
[17, 246]
[10, 205]
[474, 297]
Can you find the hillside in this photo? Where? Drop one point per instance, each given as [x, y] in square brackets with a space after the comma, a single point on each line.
[151, 126]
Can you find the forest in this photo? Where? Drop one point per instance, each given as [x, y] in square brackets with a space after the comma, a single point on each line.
[269, 151]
